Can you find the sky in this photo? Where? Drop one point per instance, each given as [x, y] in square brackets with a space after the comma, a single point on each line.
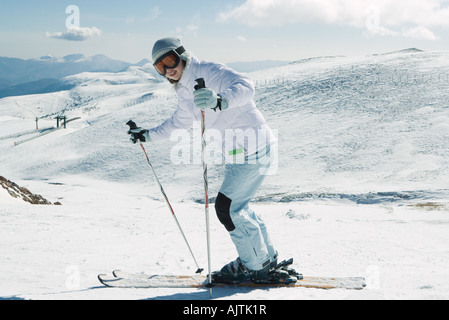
[222, 30]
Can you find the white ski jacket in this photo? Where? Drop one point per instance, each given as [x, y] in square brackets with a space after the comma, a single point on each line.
[240, 129]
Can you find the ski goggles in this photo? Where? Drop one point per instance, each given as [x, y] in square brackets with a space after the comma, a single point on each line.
[170, 60]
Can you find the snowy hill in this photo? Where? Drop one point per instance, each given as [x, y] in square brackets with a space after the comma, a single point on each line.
[377, 123]
[361, 187]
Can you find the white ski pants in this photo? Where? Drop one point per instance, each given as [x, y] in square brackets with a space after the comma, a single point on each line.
[247, 230]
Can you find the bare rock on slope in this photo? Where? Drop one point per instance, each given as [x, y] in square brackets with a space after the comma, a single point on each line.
[22, 193]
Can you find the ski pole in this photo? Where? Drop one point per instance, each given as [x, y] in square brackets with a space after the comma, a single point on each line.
[132, 125]
[202, 84]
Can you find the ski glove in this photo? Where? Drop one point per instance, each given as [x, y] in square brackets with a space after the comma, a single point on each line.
[207, 98]
[139, 134]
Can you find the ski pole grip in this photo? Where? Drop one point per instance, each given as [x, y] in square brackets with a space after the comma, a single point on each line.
[201, 84]
[131, 124]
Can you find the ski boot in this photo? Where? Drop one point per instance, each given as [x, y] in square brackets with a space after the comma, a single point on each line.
[236, 272]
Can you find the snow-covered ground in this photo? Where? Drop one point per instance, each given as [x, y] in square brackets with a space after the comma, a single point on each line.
[361, 187]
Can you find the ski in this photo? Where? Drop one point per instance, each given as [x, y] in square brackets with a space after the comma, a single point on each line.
[122, 279]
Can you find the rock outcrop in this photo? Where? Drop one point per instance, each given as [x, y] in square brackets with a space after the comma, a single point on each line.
[23, 193]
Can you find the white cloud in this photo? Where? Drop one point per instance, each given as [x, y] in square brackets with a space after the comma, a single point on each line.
[75, 34]
[240, 38]
[379, 17]
[420, 33]
[189, 30]
[154, 13]
[193, 28]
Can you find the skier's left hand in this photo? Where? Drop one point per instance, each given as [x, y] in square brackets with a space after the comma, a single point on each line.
[139, 134]
[207, 98]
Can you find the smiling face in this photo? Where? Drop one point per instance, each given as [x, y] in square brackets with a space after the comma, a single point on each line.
[176, 73]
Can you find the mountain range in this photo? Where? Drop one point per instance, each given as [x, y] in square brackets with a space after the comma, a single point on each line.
[43, 75]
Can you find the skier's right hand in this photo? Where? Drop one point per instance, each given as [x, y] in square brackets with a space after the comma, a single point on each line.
[139, 134]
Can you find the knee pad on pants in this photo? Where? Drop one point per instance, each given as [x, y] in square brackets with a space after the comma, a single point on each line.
[222, 207]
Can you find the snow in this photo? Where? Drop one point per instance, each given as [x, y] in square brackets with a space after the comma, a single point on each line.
[361, 188]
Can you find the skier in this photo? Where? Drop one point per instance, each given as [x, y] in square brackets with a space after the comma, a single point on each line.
[228, 102]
